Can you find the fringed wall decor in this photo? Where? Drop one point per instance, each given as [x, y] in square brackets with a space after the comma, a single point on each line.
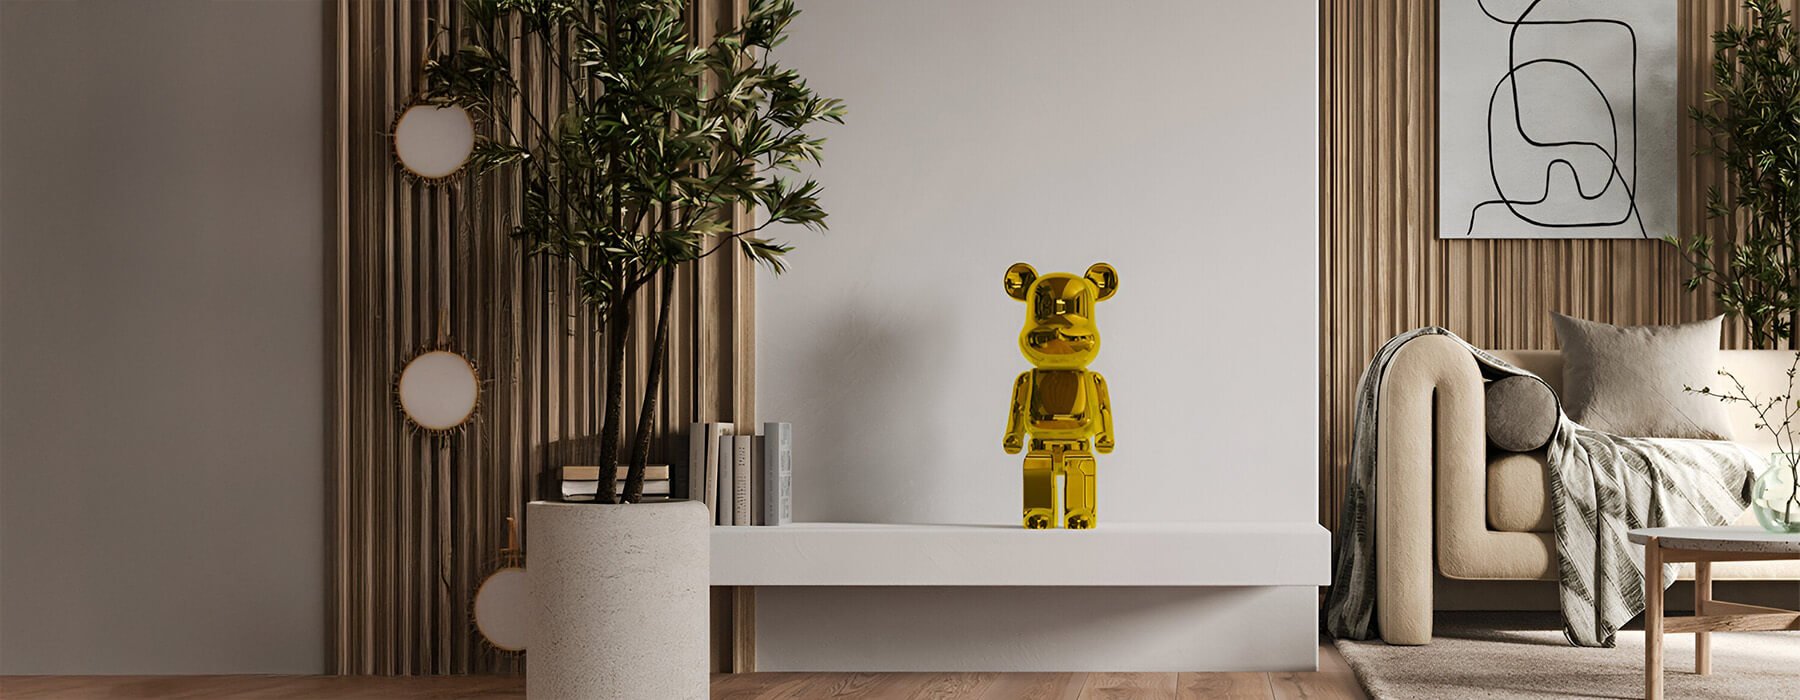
[1383, 269]
[415, 518]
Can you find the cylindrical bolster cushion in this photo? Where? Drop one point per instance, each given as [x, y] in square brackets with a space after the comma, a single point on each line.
[1521, 413]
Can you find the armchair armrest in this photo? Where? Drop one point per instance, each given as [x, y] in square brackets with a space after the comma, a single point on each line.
[1431, 425]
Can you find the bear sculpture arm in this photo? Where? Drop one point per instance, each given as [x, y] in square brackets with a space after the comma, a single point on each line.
[1015, 420]
[1103, 441]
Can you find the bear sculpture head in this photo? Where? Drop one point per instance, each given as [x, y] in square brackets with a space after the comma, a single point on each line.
[1059, 313]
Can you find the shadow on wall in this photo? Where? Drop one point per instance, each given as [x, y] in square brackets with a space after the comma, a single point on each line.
[571, 451]
[869, 354]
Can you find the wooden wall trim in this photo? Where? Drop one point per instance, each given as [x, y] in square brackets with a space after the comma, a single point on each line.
[1383, 269]
[415, 522]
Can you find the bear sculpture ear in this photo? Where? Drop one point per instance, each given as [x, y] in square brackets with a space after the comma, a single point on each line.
[1105, 278]
[1018, 280]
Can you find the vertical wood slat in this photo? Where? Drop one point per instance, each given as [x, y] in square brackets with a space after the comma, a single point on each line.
[416, 522]
[337, 437]
[1384, 271]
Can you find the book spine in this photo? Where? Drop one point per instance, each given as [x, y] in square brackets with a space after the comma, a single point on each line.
[696, 466]
[658, 487]
[722, 514]
[756, 480]
[652, 472]
[709, 489]
[740, 479]
[584, 489]
[778, 474]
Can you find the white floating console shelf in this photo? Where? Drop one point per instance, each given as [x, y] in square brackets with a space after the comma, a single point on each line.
[1122, 597]
[1114, 554]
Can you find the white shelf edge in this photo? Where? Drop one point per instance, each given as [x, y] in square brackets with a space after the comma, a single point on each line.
[1115, 554]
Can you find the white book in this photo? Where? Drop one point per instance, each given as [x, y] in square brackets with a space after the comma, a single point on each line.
[723, 456]
[740, 479]
[703, 467]
[778, 474]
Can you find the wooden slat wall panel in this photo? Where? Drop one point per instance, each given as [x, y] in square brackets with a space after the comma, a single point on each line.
[1383, 269]
[416, 522]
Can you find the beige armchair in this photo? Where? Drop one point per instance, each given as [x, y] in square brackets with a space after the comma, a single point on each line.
[1446, 503]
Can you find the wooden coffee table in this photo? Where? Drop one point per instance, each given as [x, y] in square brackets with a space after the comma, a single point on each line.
[1703, 546]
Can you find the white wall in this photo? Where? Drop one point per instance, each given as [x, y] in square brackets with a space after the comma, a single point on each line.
[162, 238]
[1175, 139]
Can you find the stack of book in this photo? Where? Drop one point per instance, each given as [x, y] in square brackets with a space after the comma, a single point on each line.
[582, 483]
[745, 479]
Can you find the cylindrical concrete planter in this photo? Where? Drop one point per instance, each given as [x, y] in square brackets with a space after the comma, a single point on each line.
[618, 600]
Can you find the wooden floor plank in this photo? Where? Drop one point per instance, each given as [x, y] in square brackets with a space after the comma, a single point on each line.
[1335, 670]
[1039, 686]
[1331, 660]
[260, 687]
[858, 686]
[1332, 683]
[757, 686]
[1314, 686]
[953, 686]
[1130, 686]
[1224, 686]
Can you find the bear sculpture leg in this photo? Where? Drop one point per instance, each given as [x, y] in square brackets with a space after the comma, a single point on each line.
[1040, 491]
[1078, 491]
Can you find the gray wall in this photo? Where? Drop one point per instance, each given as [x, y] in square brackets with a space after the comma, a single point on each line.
[1175, 139]
[162, 238]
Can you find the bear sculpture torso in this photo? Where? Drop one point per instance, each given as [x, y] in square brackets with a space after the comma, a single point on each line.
[1060, 404]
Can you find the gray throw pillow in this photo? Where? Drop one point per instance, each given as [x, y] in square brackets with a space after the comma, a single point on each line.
[1521, 413]
[1628, 380]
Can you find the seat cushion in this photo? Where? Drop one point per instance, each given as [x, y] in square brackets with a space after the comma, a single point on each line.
[1518, 500]
[1518, 492]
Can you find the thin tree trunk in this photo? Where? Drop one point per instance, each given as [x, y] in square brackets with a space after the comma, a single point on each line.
[640, 452]
[618, 323]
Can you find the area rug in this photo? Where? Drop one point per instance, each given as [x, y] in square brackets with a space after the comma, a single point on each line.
[1524, 655]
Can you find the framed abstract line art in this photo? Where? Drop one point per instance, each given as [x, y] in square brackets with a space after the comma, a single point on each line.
[1557, 118]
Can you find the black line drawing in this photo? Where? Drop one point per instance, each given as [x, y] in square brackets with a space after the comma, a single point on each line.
[1611, 154]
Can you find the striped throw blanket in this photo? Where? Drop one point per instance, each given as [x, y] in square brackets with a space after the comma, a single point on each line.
[1601, 487]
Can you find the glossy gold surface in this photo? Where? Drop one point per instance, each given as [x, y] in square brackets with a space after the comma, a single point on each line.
[1060, 408]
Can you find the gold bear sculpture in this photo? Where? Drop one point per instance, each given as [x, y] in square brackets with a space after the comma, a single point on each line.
[1060, 403]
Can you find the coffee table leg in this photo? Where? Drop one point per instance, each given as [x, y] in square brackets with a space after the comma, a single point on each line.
[1702, 596]
[1653, 620]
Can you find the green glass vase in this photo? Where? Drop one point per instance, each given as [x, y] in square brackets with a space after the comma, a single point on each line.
[1775, 497]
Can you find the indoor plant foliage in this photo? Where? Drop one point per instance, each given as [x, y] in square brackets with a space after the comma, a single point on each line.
[1776, 494]
[1752, 115]
[658, 142]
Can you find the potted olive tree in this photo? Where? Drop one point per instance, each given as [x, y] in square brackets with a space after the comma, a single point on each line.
[1752, 119]
[658, 141]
